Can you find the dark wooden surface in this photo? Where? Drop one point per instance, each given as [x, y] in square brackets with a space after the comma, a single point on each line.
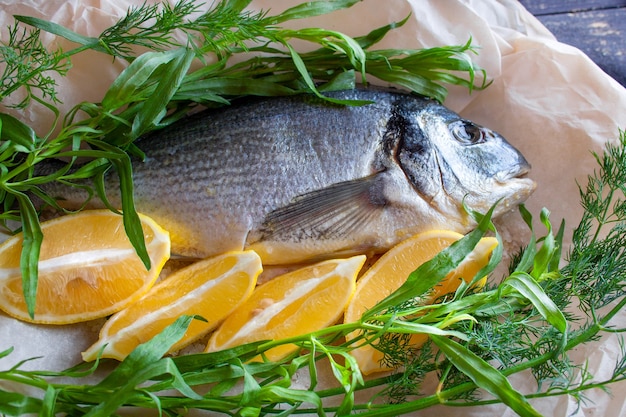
[597, 27]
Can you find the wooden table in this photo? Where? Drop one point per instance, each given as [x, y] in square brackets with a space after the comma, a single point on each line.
[597, 27]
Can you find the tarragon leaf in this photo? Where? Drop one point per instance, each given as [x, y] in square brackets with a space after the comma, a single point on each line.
[155, 107]
[14, 131]
[484, 375]
[59, 30]
[17, 404]
[310, 9]
[526, 285]
[133, 78]
[31, 246]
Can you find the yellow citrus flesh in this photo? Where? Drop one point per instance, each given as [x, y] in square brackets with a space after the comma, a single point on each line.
[296, 303]
[392, 269]
[87, 268]
[210, 288]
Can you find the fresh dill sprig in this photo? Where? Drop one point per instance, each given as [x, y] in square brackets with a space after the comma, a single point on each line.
[416, 364]
[150, 26]
[28, 66]
[597, 263]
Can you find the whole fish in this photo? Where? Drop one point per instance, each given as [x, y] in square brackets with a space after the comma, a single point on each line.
[296, 178]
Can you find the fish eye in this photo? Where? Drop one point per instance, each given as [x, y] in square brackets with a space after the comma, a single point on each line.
[466, 132]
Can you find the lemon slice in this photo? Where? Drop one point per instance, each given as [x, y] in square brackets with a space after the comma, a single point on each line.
[87, 268]
[296, 303]
[210, 288]
[392, 269]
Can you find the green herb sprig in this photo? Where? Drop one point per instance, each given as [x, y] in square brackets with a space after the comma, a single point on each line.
[160, 43]
[483, 338]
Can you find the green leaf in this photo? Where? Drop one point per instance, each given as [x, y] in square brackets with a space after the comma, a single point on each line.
[236, 5]
[556, 258]
[251, 388]
[412, 82]
[525, 264]
[309, 9]
[59, 30]
[484, 376]
[16, 132]
[130, 85]
[335, 41]
[401, 326]
[144, 363]
[155, 107]
[131, 220]
[29, 261]
[48, 403]
[282, 394]
[249, 411]
[378, 34]
[206, 360]
[17, 404]
[235, 86]
[343, 81]
[301, 67]
[531, 290]
[6, 352]
[147, 353]
[543, 257]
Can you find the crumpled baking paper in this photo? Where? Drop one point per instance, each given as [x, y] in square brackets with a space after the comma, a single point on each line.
[547, 98]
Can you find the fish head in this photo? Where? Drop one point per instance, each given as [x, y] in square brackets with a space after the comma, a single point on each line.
[453, 161]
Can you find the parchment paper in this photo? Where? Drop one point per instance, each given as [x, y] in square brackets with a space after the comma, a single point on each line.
[547, 98]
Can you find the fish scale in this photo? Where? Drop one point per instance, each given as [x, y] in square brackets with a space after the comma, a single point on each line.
[297, 178]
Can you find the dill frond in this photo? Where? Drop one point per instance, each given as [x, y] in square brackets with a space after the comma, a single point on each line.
[28, 66]
[407, 383]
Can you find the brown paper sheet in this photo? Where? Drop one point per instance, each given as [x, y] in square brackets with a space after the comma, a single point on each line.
[547, 98]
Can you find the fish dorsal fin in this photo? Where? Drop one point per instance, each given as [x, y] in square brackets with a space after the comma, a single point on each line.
[326, 214]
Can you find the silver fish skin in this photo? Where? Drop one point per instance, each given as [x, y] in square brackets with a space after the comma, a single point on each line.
[297, 179]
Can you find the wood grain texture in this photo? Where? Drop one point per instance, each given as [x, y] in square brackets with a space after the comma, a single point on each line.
[546, 7]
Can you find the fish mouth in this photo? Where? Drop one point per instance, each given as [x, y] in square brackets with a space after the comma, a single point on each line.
[516, 184]
[517, 173]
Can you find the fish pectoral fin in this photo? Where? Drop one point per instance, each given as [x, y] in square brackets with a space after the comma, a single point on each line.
[327, 214]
